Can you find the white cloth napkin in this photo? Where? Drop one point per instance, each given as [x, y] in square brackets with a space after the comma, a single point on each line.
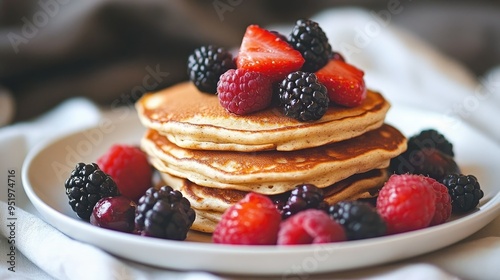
[397, 64]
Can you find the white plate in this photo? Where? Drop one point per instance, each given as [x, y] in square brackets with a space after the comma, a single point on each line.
[47, 166]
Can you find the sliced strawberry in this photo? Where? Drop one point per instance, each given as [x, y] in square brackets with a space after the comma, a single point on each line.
[344, 82]
[266, 52]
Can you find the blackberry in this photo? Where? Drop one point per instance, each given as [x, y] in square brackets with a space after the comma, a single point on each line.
[303, 97]
[427, 161]
[428, 141]
[164, 213]
[430, 138]
[86, 185]
[206, 64]
[309, 39]
[359, 219]
[305, 196]
[464, 190]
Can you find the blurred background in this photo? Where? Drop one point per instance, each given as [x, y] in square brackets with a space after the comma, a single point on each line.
[51, 50]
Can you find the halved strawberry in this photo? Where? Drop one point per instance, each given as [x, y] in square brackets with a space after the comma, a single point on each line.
[266, 52]
[344, 82]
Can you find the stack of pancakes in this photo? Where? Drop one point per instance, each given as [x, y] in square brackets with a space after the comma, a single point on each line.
[214, 157]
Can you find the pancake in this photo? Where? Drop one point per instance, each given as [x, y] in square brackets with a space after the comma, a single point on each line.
[363, 185]
[273, 172]
[195, 120]
[210, 203]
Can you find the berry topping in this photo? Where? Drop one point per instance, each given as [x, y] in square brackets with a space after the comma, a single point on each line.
[129, 168]
[254, 220]
[242, 92]
[309, 39]
[206, 64]
[86, 185]
[310, 226]
[116, 213]
[305, 196]
[430, 138]
[427, 161]
[406, 202]
[265, 52]
[359, 219]
[464, 190]
[443, 201]
[337, 56]
[429, 153]
[303, 97]
[344, 82]
[164, 213]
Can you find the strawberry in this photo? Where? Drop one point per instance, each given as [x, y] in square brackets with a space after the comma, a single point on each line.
[344, 82]
[266, 52]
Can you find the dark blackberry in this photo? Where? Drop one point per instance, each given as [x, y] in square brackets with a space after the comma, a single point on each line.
[430, 138]
[427, 161]
[164, 213]
[206, 64]
[426, 142]
[359, 219]
[305, 196]
[309, 39]
[464, 190]
[86, 185]
[303, 97]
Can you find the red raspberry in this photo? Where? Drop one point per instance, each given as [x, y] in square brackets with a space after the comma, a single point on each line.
[242, 92]
[129, 168]
[443, 202]
[310, 226]
[406, 202]
[254, 220]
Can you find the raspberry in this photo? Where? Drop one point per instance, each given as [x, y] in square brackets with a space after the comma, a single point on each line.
[464, 190]
[164, 213]
[359, 219]
[129, 168]
[86, 185]
[310, 226]
[305, 196]
[254, 220]
[443, 202]
[242, 92]
[206, 64]
[406, 202]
